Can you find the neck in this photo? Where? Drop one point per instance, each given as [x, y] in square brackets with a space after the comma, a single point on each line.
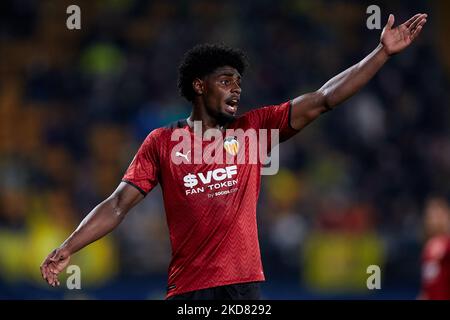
[200, 113]
[207, 121]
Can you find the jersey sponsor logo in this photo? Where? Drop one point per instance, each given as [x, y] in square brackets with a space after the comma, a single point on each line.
[212, 181]
[216, 175]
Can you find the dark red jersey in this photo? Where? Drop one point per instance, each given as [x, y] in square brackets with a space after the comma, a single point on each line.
[210, 207]
[436, 268]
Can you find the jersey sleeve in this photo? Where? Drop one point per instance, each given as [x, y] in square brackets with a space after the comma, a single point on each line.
[143, 171]
[274, 117]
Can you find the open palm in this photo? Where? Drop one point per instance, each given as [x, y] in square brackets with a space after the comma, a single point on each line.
[396, 39]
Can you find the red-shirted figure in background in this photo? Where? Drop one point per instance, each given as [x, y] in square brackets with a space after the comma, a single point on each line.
[215, 249]
[436, 252]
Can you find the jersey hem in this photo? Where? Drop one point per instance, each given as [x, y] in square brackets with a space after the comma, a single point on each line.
[133, 185]
[218, 284]
[290, 116]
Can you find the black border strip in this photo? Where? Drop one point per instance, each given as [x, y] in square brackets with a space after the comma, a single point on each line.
[132, 184]
[262, 309]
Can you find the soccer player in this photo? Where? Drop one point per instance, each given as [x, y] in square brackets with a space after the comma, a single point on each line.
[214, 240]
[436, 252]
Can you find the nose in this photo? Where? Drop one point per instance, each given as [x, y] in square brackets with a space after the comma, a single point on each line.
[236, 88]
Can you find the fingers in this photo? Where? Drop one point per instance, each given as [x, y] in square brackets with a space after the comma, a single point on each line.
[411, 20]
[49, 268]
[390, 22]
[44, 272]
[418, 27]
[416, 32]
[50, 276]
[44, 266]
[420, 20]
[54, 281]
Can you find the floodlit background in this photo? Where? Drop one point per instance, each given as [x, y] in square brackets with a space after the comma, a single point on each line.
[76, 104]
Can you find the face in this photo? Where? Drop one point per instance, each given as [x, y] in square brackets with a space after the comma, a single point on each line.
[220, 92]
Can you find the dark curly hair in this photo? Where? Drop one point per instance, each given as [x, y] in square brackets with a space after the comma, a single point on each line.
[204, 59]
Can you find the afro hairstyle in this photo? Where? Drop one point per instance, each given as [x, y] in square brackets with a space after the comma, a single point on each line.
[204, 59]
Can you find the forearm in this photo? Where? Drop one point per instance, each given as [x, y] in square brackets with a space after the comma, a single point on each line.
[99, 222]
[350, 81]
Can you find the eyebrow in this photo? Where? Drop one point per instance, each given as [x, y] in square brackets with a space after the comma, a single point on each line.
[229, 74]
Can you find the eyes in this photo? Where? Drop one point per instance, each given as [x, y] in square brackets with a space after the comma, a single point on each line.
[229, 82]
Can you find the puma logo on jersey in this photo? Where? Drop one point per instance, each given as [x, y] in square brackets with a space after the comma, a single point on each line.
[179, 154]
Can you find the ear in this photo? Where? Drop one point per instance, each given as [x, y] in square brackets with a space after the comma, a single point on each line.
[198, 87]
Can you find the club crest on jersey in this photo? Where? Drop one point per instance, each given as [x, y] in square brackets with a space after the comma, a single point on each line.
[231, 145]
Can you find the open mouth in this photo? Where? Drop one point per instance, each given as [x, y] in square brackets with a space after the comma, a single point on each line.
[232, 105]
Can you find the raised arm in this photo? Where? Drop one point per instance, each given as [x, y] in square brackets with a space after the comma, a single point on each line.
[309, 106]
[100, 221]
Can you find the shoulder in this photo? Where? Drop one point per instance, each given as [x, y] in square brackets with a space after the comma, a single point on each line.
[266, 116]
[179, 124]
[267, 109]
[161, 133]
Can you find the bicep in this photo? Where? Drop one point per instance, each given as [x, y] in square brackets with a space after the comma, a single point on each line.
[307, 108]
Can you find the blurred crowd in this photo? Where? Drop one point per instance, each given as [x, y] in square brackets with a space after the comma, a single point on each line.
[76, 104]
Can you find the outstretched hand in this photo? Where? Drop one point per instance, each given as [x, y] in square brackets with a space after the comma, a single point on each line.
[396, 39]
[55, 262]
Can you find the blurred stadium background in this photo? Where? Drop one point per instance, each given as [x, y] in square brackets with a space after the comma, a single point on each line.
[75, 106]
